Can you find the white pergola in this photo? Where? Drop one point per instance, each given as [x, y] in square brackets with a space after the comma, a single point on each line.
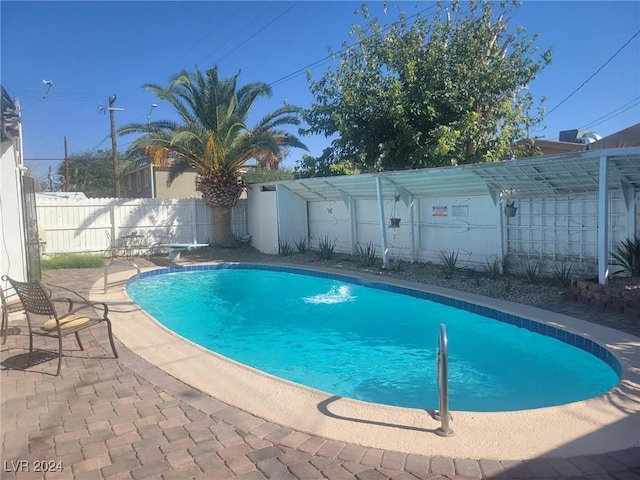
[598, 171]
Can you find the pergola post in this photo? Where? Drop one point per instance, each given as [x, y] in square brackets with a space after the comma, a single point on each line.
[383, 226]
[603, 221]
[410, 201]
[629, 194]
[502, 233]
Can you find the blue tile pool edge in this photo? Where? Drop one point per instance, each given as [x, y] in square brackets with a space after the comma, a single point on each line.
[564, 336]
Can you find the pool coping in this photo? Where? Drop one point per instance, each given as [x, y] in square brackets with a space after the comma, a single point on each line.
[599, 425]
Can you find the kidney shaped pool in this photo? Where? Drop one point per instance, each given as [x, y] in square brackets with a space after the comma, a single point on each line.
[374, 342]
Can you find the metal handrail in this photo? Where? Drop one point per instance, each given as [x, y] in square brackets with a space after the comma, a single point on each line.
[118, 262]
[442, 367]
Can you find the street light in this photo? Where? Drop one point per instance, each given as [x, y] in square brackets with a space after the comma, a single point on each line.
[153, 105]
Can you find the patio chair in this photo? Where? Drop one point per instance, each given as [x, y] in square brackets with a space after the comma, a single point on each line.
[38, 303]
[8, 305]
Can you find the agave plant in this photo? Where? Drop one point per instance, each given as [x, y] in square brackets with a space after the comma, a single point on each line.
[627, 255]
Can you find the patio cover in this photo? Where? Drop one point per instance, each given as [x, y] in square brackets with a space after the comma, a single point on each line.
[567, 174]
[593, 171]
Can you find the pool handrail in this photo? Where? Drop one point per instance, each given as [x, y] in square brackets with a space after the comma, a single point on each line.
[442, 367]
[118, 262]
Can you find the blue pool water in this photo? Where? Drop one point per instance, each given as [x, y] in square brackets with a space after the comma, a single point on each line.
[369, 344]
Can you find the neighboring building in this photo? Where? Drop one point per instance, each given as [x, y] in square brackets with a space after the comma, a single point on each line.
[150, 181]
[580, 140]
[627, 138]
[14, 237]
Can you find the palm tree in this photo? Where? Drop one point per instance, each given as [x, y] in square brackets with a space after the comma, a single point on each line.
[213, 137]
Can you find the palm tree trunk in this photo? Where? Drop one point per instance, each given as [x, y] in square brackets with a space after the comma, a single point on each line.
[222, 234]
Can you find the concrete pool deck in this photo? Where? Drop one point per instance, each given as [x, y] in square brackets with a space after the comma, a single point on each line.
[611, 421]
[131, 419]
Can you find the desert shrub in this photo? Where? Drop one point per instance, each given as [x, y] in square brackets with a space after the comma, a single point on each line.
[326, 246]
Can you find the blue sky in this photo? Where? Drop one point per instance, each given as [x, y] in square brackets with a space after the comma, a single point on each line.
[91, 50]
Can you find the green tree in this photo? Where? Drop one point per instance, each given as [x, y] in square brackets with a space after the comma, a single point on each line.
[92, 172]
[213, 136]
[265, 175]
[446, 90]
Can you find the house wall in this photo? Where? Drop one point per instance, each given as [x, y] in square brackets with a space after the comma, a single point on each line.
[138, 184]
[91, 225]
[182, 187]
[12, 248]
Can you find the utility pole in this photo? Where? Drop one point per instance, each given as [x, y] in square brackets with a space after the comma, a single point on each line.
[66, 166]
[114, 147]
[50, 179]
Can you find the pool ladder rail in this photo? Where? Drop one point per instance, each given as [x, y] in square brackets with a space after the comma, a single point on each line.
[442, 367]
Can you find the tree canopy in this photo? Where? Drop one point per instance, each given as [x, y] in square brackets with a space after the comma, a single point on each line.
[447, 89]
[92, 172]
[214, 138]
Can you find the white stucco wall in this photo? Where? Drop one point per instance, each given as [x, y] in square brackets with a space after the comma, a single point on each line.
[12, 245]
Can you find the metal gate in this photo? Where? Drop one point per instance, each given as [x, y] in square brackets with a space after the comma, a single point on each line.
[31, 228]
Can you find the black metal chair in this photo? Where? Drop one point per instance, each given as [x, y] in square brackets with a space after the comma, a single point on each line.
[37, 302]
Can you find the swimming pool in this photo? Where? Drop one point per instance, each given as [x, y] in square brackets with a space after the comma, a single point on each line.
[375, 344]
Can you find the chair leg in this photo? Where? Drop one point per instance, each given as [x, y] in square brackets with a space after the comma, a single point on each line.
[30, 346]
[59, 355]
[78, 340]
[113, 346]
[5, 325]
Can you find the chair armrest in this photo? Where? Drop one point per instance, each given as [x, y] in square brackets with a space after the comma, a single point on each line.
[83, 305]
[64, 299]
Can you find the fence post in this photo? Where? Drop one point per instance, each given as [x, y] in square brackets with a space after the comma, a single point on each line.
[194, 220]
[114, 227]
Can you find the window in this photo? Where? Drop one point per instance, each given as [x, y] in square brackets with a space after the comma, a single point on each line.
[146, 179]
[138, 183]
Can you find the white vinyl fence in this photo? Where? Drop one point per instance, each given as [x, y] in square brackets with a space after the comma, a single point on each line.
[94, 225]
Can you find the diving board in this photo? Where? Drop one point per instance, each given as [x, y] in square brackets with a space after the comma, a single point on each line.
[175, 249]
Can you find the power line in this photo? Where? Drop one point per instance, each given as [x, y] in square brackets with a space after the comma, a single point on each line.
[595, 73]
[256, 33]
[608, 116]
[329, 58]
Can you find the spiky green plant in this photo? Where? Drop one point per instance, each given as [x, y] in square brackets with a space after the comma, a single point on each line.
[285, 249]
[326, 246]
[532, 270]
[562, 272]
[627, 255]
[492, 269]
[302, 245]
[367, 255]
[449, 261]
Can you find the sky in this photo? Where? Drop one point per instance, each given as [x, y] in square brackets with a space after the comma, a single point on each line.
[91, 50]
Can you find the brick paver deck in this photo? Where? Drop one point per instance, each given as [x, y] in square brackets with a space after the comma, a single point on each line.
[125, 419]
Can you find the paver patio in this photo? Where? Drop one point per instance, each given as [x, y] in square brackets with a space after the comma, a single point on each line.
[126, 419]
